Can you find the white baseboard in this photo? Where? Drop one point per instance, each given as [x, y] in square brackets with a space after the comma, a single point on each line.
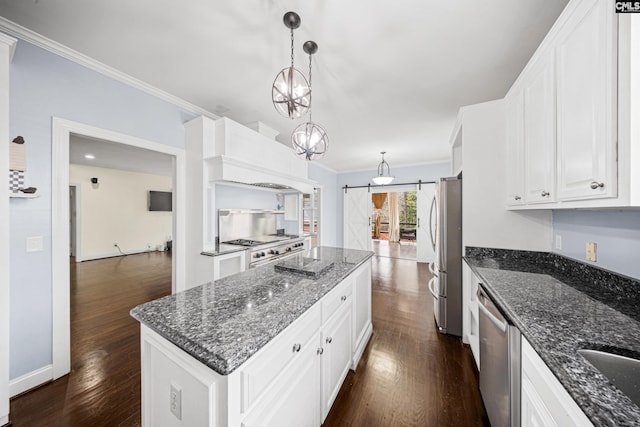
[30, 380]
[111, 255]
[4, 420]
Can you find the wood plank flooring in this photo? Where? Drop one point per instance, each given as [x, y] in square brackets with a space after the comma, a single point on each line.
[103, 388]
[409, 375]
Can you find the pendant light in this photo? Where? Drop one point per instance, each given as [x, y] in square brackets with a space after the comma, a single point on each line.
[310, 140]
[290, 92]
[383, 179]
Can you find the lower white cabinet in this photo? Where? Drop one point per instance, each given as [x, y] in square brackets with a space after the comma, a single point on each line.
[293, 400]
[228, 264]
[336, 354]
[470, 325]
[292, 381]
[545, 402]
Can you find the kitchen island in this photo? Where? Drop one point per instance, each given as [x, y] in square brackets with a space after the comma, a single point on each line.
[265, 346]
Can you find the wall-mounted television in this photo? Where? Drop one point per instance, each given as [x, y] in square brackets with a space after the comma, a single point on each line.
[160, 201]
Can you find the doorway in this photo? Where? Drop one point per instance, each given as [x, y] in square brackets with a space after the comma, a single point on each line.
[73, 219]
[61, 234]
[394, 224]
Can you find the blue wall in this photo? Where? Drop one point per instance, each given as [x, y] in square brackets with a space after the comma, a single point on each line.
[430, 172]
[617, 234]
[329, 197]
[44, 85]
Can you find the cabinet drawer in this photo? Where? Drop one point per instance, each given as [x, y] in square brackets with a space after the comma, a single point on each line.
[336, 298]
[267, 364]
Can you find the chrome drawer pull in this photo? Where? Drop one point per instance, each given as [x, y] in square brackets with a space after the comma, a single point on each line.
[544, 193]
[296, 348]
[328, 340]
[343, 297]
[320, 350]
[595, 185]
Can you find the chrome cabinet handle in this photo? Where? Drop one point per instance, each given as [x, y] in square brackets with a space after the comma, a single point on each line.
[296, 348]
[328, 340]
[595, 185]
[544, 193]
[418, 221]
[517, 197]
[343, 297]
[320, 350]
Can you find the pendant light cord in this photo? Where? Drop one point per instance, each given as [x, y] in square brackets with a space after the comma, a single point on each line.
[310, 92]
[292, 48]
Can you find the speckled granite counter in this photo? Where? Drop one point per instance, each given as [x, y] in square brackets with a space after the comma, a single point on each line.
[560, 306]
[222, 324]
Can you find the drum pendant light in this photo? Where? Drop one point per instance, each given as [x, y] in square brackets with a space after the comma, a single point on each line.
[382, 178]
[290, 92]
[309, 140]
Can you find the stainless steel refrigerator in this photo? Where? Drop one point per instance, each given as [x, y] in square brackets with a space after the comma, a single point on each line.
[446, 237]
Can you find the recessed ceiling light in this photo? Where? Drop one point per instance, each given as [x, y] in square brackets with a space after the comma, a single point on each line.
[89, 156]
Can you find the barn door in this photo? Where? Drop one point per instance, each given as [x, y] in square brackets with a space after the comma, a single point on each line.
[425, 251]
[357, 219]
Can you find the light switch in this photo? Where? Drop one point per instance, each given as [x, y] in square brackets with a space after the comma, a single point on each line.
[592, 250]
[34, 244]
[558, 242]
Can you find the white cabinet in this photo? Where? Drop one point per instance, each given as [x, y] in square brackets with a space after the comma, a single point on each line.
[470, 331]
[545, 402]
[539, 133]
[514, 110]
[586, 82]
[336, 354]
[362, 328]
[293, 400]
[228, 264]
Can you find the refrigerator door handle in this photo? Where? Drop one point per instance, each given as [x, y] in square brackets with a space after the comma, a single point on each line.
[431, 284]
[432, 269]
[431, 219]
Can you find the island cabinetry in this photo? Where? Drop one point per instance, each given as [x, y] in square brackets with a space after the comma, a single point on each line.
[545, 402]
[362, 327]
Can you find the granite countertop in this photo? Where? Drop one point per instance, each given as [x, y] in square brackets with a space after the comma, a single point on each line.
[224, 323]
[561, 306]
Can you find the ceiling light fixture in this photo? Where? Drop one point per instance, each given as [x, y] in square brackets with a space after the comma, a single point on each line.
[383, 179]
[290, 92]
[89, 156]
[310, 140]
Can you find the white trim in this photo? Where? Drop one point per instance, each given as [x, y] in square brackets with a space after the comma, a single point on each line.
[61, 131]
[324, 167]
[7, 45]
[30, 380]
[90, 63]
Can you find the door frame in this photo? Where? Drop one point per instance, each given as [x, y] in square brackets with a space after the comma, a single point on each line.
[60, 270]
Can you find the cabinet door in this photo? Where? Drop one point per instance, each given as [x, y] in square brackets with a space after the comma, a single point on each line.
[532, 410]
[361, 311]
[294, 399]
[539, 133]
[336, 356]
[586, 100]
[514, 149]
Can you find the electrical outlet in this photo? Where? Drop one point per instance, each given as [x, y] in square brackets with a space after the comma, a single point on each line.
[558, 242]
[592, 251]
[175, 401]
[35, 244]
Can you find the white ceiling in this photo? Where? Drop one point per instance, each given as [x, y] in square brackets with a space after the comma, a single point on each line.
[388, 75]
[112, 155]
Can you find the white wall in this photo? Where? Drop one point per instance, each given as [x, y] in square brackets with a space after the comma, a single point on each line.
[116, 211]
[485, 221]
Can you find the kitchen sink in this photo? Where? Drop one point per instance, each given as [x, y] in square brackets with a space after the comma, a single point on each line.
[623, 372]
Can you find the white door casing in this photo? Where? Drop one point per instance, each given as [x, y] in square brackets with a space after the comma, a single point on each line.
[424, 249]
[357, 219]
[61, 131]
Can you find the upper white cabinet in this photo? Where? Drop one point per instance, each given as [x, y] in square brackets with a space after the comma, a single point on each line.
[579, 137]
[539, 133]
[514, 110]
[586, 83]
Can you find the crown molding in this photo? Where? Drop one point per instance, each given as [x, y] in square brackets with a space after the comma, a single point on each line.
[59, 49]
[325, 167]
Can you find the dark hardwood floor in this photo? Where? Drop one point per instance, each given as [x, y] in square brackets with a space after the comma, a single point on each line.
[402, 249]
[103, 388]
[409, 375]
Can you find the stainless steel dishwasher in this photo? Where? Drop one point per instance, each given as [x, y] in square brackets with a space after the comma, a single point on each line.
[499, 364]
